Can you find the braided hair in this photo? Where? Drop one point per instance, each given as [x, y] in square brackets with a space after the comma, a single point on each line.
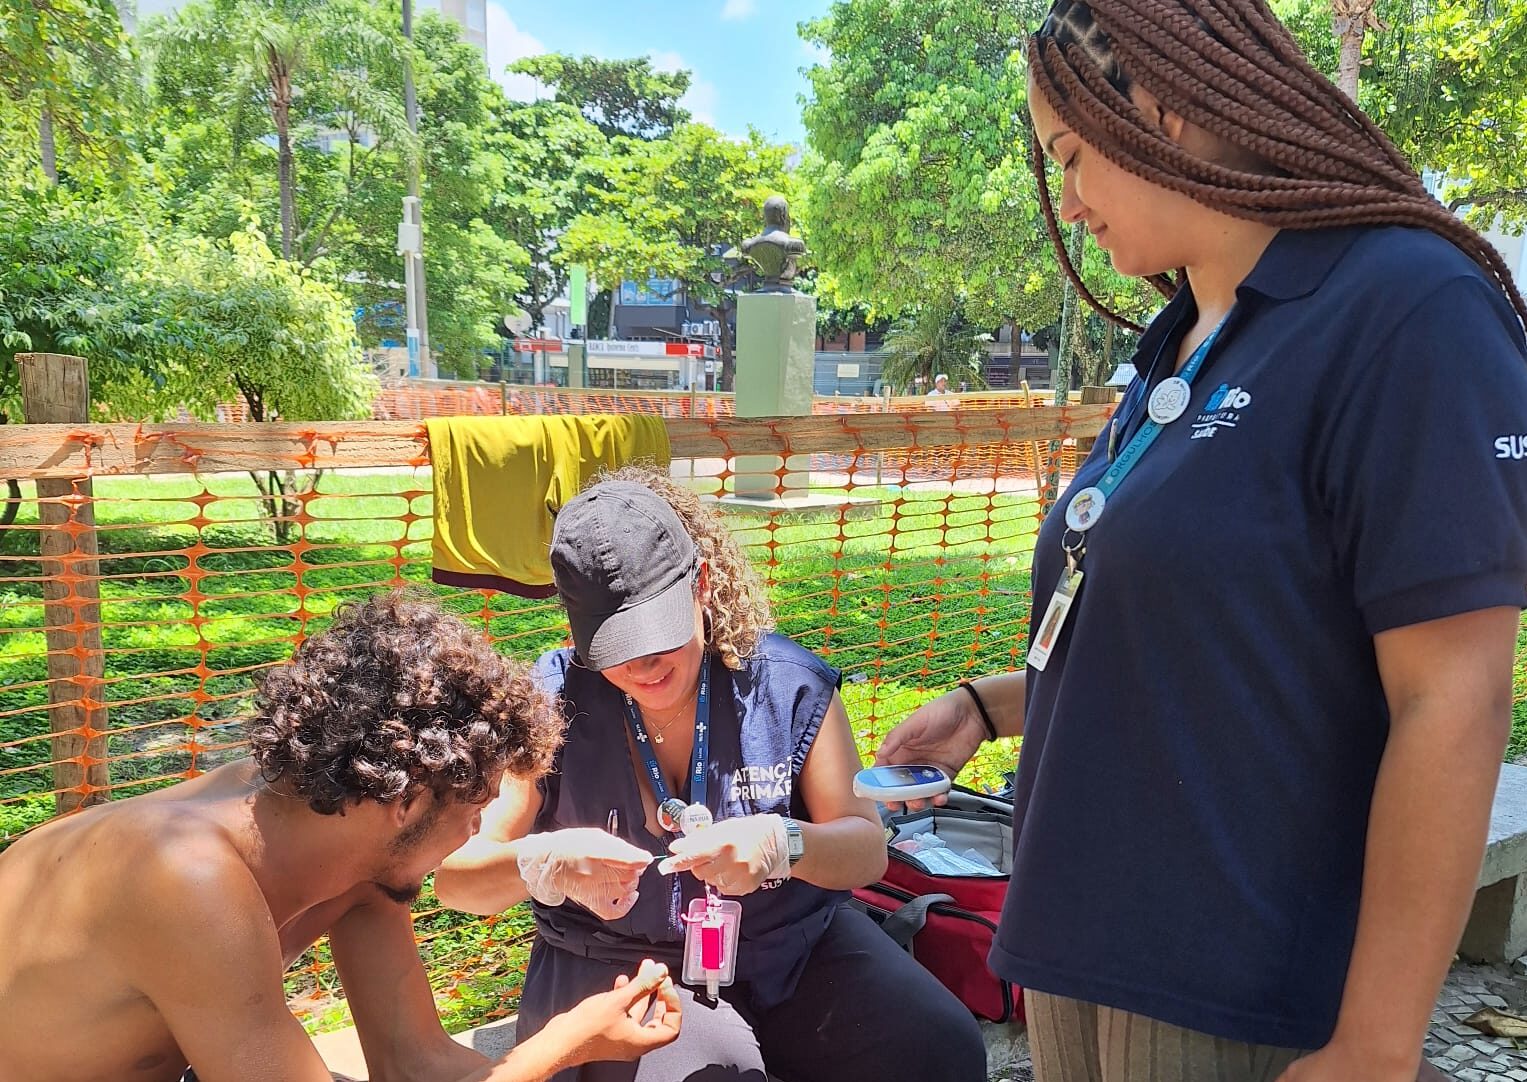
[1312, 158]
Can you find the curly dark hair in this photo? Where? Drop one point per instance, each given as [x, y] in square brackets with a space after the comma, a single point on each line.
[395, 697]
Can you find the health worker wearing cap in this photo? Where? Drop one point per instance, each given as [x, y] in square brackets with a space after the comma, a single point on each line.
[705, 757]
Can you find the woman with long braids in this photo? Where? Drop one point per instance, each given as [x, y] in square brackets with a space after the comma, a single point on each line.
[1265, 711]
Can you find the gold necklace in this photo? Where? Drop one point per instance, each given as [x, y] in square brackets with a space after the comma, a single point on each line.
[659, 730]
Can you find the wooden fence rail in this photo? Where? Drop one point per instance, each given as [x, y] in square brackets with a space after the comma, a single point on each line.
[56, 451]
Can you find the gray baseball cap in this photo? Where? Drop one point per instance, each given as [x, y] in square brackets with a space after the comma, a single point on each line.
[624, 566]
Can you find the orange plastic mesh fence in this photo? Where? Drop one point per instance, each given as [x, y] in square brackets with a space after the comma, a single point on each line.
[220, 547]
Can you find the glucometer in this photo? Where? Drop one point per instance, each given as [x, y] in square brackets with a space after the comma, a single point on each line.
[910, 781]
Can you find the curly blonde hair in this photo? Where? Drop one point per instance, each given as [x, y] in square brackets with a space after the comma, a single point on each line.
[737, 615]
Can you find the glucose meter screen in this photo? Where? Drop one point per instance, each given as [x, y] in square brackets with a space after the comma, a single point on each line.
[889, 776]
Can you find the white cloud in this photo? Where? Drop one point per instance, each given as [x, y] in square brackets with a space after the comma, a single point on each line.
[669, 61]
[506, 44]
[738, 9]
[816, 54]
[701, 101]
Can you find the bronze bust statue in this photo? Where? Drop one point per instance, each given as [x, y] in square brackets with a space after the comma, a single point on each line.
[774, 252]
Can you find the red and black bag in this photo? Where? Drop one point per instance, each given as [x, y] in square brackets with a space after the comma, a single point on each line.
[947, 922]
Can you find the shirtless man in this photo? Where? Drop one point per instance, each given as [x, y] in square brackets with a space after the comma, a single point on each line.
[145, 940]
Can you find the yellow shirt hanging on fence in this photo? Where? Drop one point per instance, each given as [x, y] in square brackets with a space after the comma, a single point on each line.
[499, 481]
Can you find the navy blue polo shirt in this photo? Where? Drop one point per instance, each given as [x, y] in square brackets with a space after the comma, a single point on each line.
[1200, 752]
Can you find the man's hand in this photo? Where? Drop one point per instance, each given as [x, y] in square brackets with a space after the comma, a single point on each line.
[736, 856]
[589, 866]
[945, 732]
[624, 1024]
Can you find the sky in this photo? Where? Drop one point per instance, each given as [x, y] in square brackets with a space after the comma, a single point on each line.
[746, 55]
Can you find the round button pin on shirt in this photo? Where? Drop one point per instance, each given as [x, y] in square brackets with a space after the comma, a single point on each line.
[1084, 510]
[1169, 400]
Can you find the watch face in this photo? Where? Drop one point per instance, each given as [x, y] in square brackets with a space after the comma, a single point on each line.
[795, 843]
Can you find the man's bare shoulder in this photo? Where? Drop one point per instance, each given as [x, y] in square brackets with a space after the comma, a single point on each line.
[121, 870]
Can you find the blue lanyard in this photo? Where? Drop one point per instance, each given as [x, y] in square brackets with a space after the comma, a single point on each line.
[698, 757]
[1135, 450]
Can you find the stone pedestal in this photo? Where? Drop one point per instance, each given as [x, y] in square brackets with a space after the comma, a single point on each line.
[776, 357]
[577, 364]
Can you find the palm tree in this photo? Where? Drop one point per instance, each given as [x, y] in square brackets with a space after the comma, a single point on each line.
[310, 66]
[326, 61]
[930, 341]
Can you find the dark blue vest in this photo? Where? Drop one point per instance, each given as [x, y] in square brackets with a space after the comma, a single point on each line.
[764, 720]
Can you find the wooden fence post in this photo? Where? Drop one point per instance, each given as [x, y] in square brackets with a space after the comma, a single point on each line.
[1092, 396]
[55, 389]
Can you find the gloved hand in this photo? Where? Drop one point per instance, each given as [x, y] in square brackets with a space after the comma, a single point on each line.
[583, 864]
[735, 856]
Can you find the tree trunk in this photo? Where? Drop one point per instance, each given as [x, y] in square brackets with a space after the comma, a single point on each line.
[727, 381]
[281, 114]
[288, 197]
[12, 506]
[1071, 317]
[48, 145]
[1350, 20]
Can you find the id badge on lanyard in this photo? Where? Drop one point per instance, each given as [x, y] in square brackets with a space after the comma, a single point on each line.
[1167, 403]
[712, 924]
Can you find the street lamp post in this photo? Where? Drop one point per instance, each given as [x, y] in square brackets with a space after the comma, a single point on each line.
[411, 230]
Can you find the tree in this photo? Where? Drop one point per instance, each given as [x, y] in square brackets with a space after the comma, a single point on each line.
[620, 97]
[291, 70]
[63, 67]
[552, 153]
[673, 206]
[918, 185]
[475, 267]
[168, 321]
[242, 323]
[1351, 20]
[921, 196]
[1447, 80]
[348, 175]
[65, 288]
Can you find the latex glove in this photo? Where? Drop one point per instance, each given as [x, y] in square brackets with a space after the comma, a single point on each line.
[735, 856]
[945, 732]
[583, 864]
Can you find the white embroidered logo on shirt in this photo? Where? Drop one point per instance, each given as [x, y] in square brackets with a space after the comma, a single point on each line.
[1511, 447]
[1223, 410]
[761, 782]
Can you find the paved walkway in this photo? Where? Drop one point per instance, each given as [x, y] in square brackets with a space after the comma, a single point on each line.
[1464, 1053]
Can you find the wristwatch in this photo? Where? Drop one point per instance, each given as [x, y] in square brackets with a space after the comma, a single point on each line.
[795, 841]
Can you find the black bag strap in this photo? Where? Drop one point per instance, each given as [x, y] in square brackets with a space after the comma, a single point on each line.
[907, 921]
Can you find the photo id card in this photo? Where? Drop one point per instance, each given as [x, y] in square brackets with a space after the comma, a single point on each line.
[1055, 618]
